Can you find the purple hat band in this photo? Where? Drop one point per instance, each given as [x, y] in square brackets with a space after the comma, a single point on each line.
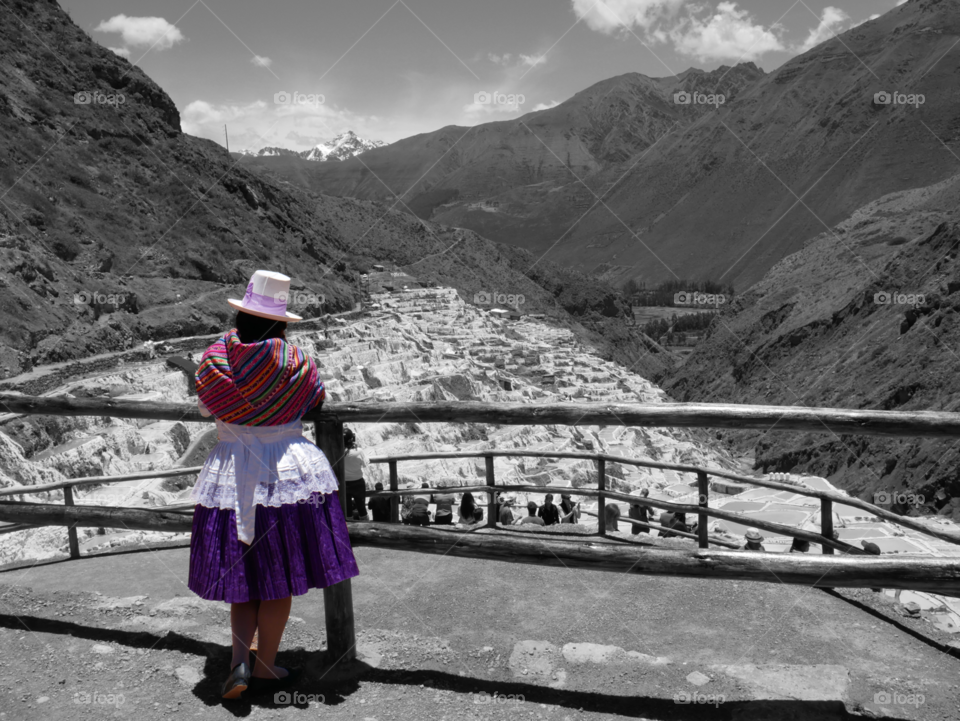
[263, 303]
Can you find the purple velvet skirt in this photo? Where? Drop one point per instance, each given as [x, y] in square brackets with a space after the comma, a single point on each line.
[297, 547]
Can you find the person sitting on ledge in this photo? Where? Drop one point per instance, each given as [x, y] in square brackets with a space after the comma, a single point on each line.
[470, 513]
[506, 515]
[799, 546]
[444, 502]
[753, 539]
[640, 513]
[380, 506]
[611, 514]
[419, 514]
[570, 511]
[532, 517]
[549, 512]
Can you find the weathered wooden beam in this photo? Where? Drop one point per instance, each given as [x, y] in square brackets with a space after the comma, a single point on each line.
[928, 424]
[338, 599]
[134, 519]
[102, 480]
[936, 575]
[72, 538]
[703, 485]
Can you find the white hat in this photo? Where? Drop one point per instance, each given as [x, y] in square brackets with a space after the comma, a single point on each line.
[266, 297]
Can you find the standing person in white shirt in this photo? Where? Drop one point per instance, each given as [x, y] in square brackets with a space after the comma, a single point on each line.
[356, 486]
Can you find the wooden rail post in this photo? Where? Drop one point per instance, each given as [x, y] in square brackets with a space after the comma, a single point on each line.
[601, 499]
[337, 599]
[71, 530]
[703, 484]
[826, 522]
[394, 500]
[492, 515]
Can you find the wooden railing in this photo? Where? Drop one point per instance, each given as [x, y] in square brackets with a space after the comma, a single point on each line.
[702, 509]
[940, 575]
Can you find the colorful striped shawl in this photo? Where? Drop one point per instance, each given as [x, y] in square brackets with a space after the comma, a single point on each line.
[258, 384]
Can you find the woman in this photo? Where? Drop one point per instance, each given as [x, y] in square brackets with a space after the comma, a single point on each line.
[356, 486]
[469, 512]
[569, 511]
[268, 523]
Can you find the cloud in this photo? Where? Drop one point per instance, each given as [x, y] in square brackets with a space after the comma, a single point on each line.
[148, 32]
[831, 22]
[261, 61]
[546, 106]
[728, 34]
[122, 52]
[611, 16]
[508, 60]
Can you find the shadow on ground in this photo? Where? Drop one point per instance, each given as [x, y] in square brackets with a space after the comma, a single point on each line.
[334, 683]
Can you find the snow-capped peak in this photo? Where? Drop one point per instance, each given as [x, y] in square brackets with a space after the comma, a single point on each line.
[344, 146]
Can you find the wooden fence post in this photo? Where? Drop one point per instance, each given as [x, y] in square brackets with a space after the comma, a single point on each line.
[703, 484]
[601, 499]
[337, 599]
[491, 495]
[826, 523]
[71, 530]
[394, 500]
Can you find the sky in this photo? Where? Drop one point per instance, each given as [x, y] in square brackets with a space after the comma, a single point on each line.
[295, 73]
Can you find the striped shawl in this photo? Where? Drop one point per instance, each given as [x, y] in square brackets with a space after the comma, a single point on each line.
[258, 384]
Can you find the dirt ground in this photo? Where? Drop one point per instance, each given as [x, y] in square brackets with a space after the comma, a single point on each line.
[120, 636]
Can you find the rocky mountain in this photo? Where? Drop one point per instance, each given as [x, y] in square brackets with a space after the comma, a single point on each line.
[275, 151]
[541, 151]
[866, 315]
[624, 181]
[116, 227]
[344, 146]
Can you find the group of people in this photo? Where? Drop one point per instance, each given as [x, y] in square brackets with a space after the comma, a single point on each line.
[547, 514]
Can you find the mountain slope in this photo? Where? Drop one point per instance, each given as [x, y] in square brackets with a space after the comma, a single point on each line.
[115, 227]
[621, 181]
[602, 125]
[815, 332]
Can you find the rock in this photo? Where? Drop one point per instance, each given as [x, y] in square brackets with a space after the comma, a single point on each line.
[698, 679]
[101, 648]
[188, 675]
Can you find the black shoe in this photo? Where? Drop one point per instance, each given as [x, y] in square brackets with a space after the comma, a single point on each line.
[237, 682]
[262, 686]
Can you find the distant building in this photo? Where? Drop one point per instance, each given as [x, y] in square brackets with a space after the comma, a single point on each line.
[378, 268]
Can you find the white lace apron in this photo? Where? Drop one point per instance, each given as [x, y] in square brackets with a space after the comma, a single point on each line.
[261, 466]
